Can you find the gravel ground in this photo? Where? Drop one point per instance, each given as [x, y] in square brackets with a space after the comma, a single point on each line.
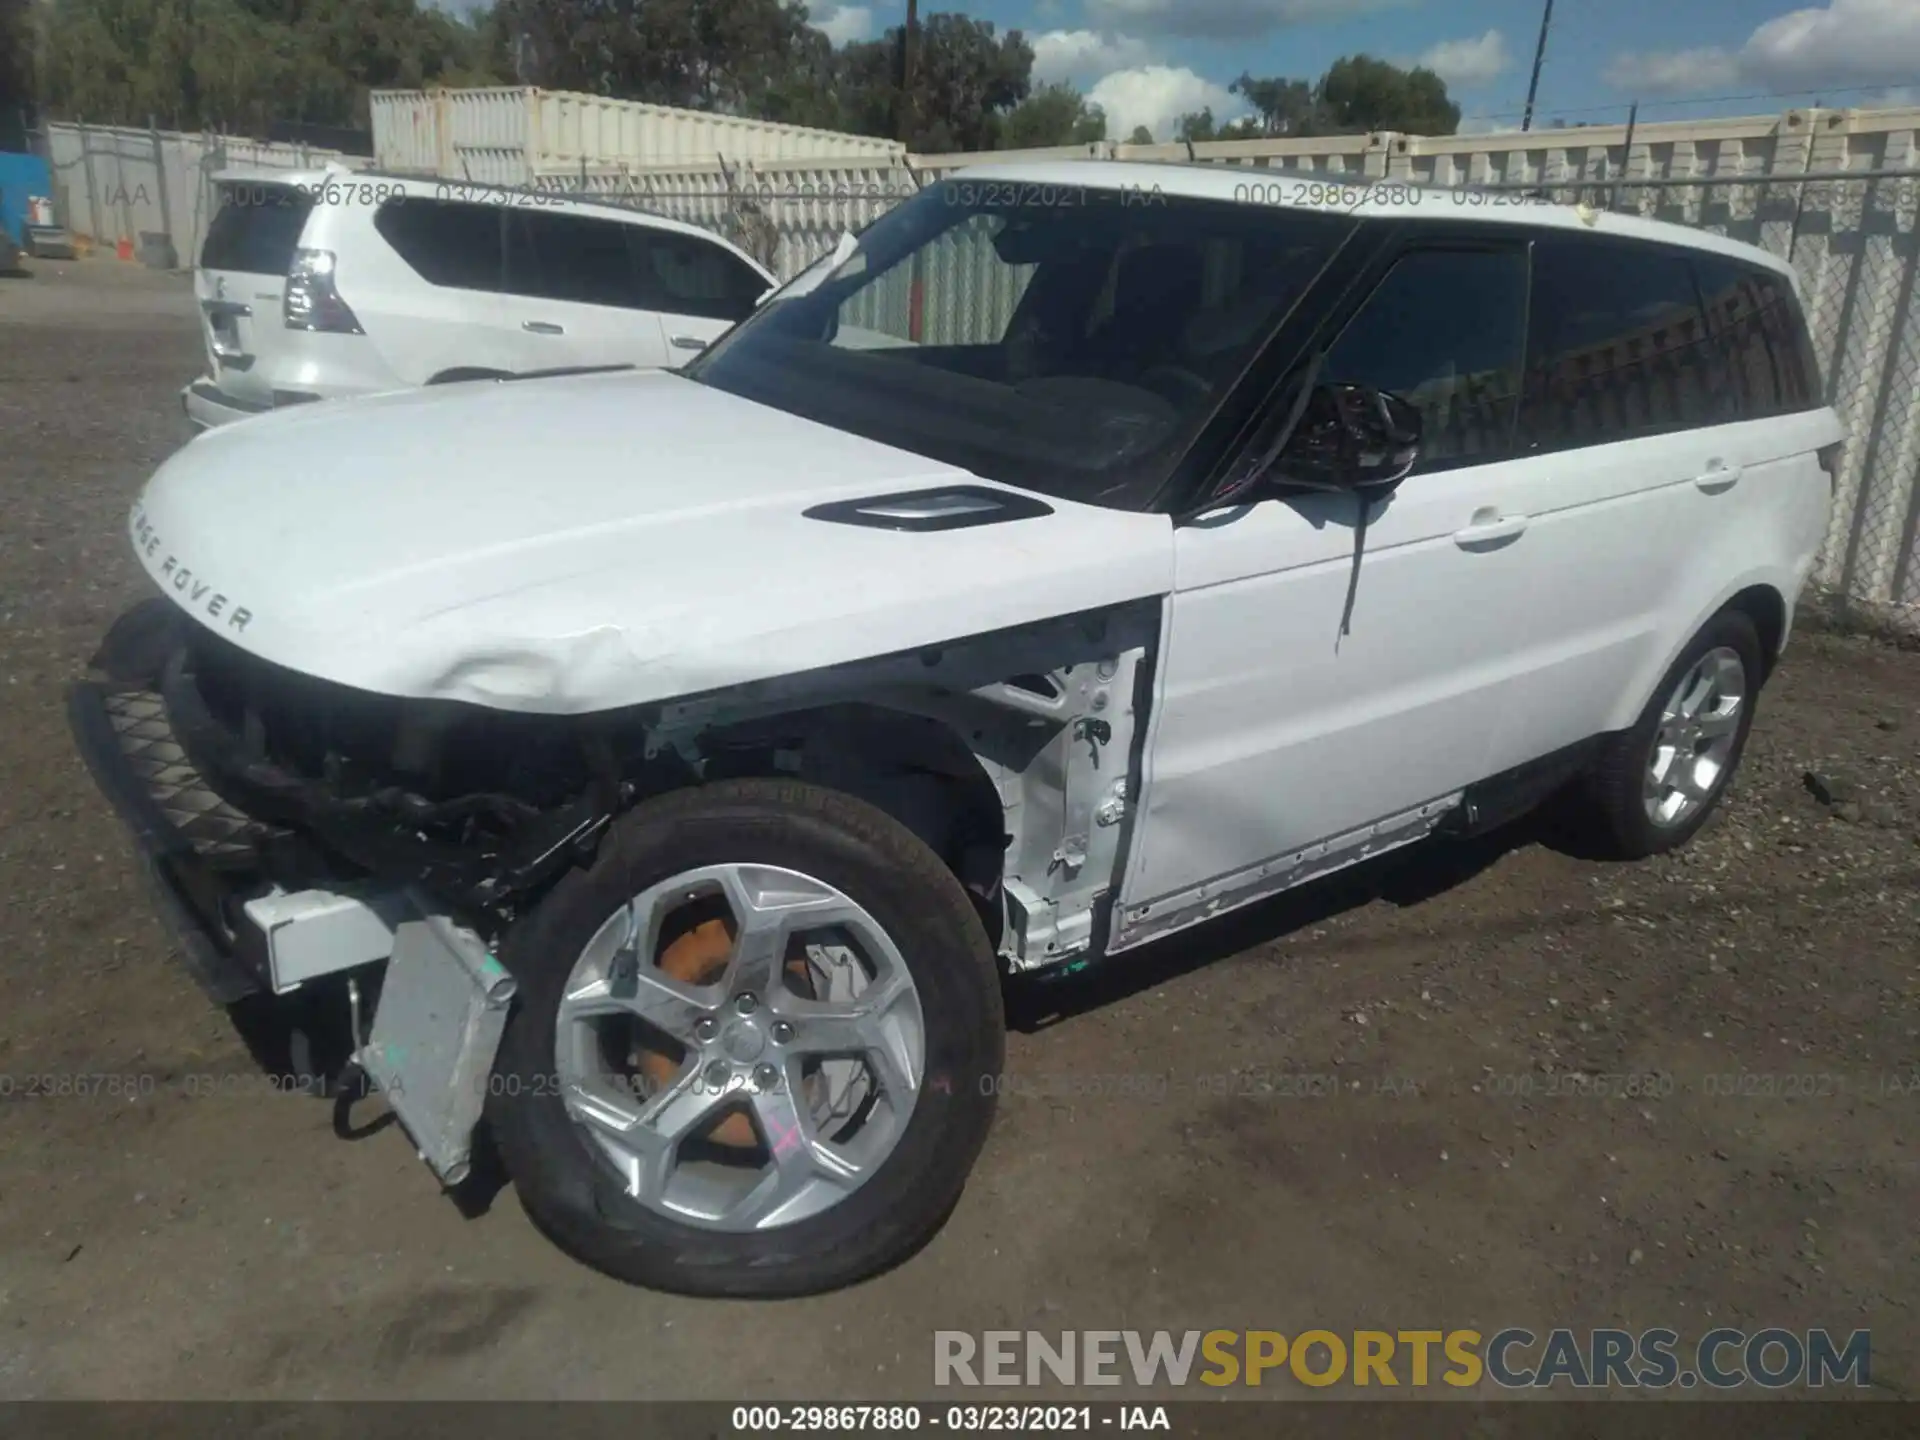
[1454, 1170]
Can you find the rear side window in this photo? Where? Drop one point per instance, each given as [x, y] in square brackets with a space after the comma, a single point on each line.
[690, 276]
[446, 242]
[572, 257]
[1758, 326]
[256, 229]
[1444, 331]
[1619, 346]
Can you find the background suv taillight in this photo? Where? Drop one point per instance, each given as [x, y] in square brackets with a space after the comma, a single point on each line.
[1830, 461]
[312, 302]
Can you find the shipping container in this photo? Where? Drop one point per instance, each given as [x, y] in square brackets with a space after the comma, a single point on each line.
[510, 134]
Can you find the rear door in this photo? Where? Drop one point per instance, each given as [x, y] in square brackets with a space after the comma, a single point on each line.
[573, 294]
[700, 289]
[429, 296]
[1781, 487]
[241, 279]
[1624, 423]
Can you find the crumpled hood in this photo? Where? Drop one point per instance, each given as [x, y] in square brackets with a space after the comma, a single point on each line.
[588, 542]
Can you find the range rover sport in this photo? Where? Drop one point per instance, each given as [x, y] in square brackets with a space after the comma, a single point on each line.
[666, 768]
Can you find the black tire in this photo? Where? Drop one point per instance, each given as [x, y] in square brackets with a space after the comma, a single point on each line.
[572, 1191]
[1618, 820]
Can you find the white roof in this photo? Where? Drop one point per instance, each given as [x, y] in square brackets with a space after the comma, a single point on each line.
[1363, 196]
[315, 181]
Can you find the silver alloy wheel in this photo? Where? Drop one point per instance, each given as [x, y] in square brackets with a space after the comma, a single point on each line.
[1698, 727]
[829, 1080]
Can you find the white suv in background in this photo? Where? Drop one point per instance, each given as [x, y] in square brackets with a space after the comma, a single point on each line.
[319, 284]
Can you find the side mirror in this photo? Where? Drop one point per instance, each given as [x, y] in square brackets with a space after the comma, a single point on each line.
[1351, 437]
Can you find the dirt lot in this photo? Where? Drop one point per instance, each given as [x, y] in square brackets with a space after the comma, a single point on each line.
[1450, 1174]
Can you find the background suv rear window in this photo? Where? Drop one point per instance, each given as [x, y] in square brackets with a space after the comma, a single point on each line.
[256, 229]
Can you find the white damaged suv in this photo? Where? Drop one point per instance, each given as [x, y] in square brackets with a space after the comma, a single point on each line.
[664, 769]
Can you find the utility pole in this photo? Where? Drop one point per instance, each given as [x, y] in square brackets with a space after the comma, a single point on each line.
[909, 42]
[1539, 59]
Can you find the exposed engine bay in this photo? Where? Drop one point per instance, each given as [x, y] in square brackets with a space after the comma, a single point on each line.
[1014, 756]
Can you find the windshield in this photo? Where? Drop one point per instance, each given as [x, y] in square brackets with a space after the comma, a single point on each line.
[1066, 340]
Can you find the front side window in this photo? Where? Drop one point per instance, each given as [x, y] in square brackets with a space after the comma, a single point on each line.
[445, 242]
[1071, 341]
[1444, 331]
[686, 275]
[1619, 348]
[572, 258]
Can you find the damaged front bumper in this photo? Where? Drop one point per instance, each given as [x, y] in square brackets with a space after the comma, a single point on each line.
[267, 905]
[272, 874]
[198, 852]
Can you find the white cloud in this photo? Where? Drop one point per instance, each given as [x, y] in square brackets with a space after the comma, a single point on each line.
[1225, 19]
[1673, 72]
[842, 24]
[1079, 55]
[1468, 64]
[1156, 96]
[1844, 43]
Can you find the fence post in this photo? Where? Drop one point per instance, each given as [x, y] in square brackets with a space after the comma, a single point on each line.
[160, 184]
[1626, 157]
[93, 192]
[128, 230]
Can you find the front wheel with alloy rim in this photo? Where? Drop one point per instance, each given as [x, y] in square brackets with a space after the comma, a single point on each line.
[754, 1046]
[1655, 785]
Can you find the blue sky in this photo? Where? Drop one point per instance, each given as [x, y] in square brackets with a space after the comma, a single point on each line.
[1148, 61]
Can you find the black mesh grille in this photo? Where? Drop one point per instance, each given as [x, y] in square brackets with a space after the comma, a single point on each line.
[145, 737]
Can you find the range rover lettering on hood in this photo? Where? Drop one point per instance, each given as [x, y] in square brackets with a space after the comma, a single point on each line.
[195, 591]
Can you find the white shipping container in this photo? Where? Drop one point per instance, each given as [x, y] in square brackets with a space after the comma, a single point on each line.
[529, 131]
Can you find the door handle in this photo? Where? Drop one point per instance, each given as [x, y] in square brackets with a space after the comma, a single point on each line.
[1719, 478]
[1489, 529]
[543, 327]
[688, 342]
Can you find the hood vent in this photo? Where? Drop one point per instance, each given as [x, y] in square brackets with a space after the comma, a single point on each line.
[954, 507]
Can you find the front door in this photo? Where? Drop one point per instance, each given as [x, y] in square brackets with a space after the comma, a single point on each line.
[1320, 687]
[574, 294]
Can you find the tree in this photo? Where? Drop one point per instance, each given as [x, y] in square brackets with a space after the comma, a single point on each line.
[1360, 93]
[1141, 136]
[243, 64]
[1283, 107]
[967, 78]
[1053, 115]
[1200, 126]
[725, 55]
[16, 71]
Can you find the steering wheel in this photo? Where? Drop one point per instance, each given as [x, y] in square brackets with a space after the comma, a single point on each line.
[1176, 384]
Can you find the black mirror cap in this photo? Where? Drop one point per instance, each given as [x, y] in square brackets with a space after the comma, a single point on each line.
[1352, 437]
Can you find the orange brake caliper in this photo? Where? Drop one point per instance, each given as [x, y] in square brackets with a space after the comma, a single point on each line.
[699, 957]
